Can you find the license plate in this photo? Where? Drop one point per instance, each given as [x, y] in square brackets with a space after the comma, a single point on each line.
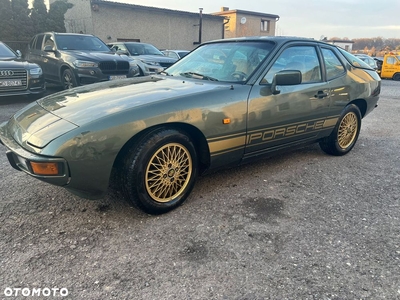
[10, 82]
[115, 77]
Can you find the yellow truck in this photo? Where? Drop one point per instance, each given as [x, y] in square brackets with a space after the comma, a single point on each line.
[390, 66]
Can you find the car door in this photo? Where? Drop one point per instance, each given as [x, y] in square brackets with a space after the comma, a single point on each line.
[35, 50]
[339, 84]
[298, 113]
[50, 58]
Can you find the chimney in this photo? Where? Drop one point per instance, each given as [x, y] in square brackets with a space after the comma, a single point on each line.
[224, 8]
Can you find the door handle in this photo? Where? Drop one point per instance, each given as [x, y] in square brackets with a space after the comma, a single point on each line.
[321, 94]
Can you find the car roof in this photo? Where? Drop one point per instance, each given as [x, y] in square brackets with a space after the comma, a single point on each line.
[275, 39]
[66, 33]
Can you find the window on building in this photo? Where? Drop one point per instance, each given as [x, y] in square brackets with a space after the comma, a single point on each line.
[264, 25]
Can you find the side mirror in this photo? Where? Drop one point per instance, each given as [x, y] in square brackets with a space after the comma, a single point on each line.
[19, 54]
[49, 48]
[122, 52]
[289, 77]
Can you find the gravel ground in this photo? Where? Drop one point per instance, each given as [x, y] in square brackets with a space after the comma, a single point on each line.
[303, 225]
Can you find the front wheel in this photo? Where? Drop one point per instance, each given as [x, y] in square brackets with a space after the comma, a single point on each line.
[68, 80]
[345, 135]
[396, 77]
[160, 172]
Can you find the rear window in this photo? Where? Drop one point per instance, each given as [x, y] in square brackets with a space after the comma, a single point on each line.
[354, 61]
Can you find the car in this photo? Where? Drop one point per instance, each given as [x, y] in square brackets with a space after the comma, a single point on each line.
[176, 54]
[17, 76]
[72, 59]
[227, 102]
[149, 59]
[368, 59]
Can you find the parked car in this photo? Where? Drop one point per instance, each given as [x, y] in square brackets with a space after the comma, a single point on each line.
[149, 59]
[176, 54]
[390, 66]
[368, 59]
[225, 103]
[17, 76]
[71, 59]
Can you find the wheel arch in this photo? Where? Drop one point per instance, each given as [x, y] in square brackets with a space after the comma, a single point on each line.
[196, 136]
[62, 69]
[362, 106]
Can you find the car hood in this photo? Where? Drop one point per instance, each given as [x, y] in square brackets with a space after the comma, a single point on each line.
[85, 104]
[158, 58]
[13, 63]
[95, 55]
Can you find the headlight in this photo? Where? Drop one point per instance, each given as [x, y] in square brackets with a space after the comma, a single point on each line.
[149, 62]
[85, 64]
[36, 71]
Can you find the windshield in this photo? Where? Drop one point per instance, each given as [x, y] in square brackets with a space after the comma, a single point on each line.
[6, 52]
[143, 49]
[80, 42]
[226, 61]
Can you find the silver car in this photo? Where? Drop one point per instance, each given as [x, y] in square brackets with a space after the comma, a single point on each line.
[149, 59]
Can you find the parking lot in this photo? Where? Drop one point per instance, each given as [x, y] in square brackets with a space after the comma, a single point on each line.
[301, 225]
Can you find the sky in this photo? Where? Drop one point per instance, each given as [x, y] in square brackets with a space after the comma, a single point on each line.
[308, 18]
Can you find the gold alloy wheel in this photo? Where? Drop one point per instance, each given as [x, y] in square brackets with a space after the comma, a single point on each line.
[347, 130]
[168, 172]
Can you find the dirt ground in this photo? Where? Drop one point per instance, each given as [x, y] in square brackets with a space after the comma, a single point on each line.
[301, 225]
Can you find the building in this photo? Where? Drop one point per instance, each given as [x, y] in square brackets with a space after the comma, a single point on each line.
[240, 23]
[345, 44]
[164, 28]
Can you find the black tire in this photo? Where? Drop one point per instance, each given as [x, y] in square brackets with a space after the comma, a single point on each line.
[396, 77]
[68, 80]
[159, 173]
[345, 135]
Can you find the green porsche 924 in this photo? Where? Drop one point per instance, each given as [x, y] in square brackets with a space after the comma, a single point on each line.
[226, 102]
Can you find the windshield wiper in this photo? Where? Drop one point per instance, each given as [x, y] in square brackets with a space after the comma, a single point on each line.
[198, 76]
[165, 73]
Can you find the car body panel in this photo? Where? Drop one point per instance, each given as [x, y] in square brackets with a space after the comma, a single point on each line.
[230, 119]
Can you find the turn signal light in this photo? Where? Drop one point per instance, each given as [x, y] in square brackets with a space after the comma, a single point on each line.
[44, 168]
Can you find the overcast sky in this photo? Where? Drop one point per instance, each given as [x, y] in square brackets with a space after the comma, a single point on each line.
[308, 18]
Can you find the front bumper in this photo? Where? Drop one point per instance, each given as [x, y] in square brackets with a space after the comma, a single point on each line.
[20, 159]
[35, 86]
[93, 75]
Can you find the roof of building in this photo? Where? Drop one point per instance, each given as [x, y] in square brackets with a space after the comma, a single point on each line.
[151, 8]
[226, 11]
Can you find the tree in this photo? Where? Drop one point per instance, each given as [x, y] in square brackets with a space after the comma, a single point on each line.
[21, 21]
[7, 30]
[55, 19]
[39, 16]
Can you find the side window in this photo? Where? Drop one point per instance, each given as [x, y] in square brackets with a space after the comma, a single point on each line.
[32, 43]
[333, 65]
[390, 60]
[48, 41]
[301, 58]
[39, 41]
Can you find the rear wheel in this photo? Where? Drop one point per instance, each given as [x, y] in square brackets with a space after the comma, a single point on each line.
[396, 77]
[345, 135]
[68, 80]
[160, 172]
